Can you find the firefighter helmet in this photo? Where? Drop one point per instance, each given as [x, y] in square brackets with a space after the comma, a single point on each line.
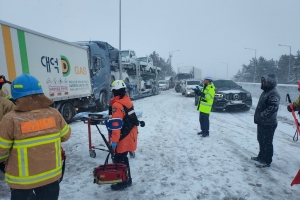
[25, 85]
[118, 84]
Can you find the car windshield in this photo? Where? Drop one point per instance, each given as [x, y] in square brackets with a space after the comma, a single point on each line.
[124, 53]
[142, 59]
[225, 83]
[193, 82]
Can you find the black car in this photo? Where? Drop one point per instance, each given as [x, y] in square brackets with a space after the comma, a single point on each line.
[230, 96]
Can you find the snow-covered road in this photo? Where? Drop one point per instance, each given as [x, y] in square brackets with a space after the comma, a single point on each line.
[173, 162]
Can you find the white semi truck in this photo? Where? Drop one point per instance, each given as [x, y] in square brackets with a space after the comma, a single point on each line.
[76, 76]
[189, 72]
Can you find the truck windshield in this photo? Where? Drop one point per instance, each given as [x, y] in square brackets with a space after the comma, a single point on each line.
[142, 59]
[183, 76]
[124, 53]
[193, 82]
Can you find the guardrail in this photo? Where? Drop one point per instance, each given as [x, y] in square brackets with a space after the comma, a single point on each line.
[255, 90]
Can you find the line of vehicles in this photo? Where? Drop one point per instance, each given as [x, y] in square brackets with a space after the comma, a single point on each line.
[229, 95]
[75, 75]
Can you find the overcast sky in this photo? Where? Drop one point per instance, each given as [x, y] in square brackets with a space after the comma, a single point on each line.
[207, 33]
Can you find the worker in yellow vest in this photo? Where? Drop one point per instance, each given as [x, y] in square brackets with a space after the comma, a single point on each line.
[205, 102]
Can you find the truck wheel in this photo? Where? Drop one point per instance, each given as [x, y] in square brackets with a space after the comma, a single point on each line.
[68, 111]
[102, 102]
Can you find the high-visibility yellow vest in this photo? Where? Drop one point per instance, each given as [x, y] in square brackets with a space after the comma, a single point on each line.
[205, 103]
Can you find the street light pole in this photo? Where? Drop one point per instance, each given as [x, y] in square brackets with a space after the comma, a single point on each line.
[178, 64]
[120, 57]
[254, 64]
[289, 71]
[227, 69]
[170, 56]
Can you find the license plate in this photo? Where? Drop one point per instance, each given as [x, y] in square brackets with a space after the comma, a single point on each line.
[236, 102]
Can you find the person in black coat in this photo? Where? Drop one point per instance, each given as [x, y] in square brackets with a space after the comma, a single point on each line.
[265, 117]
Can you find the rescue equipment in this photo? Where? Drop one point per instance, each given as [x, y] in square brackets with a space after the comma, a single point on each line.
[296, 179]
[295, 138]
[110, 173]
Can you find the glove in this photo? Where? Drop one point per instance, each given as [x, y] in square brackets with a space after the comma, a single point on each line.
[142, 123]
[201, 94]
[197, 88]
[289, 108]
[113, 145]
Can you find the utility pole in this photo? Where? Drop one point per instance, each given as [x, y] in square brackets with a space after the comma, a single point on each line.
[120, 57]
[227, 69]
[170, 57]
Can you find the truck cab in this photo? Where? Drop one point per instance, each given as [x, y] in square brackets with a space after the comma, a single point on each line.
[100, 72]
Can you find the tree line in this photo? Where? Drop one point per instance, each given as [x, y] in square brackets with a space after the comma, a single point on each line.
[287, 68]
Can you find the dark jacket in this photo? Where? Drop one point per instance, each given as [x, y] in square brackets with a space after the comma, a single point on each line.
[268, 104]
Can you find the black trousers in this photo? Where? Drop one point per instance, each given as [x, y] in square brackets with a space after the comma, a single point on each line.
[2, 167]
[204, 122]
[122, 158]
[265, 135]
[46, 192]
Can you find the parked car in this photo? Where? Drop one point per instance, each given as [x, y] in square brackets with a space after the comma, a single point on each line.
[188, 87]
[163, 85]
[230, 96]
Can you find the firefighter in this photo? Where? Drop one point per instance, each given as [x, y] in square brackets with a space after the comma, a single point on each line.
[3, 91]
[30, 138]
[5, 104]
[124, 139]
[205, 102]
[5, 107]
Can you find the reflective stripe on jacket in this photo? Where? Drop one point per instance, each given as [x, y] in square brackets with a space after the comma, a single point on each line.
[129, 143]
[30, 142]
[205, 103]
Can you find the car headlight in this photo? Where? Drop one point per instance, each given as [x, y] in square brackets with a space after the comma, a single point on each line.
[248, 94]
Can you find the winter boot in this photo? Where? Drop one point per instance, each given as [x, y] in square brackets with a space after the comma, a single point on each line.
[262, 165]
[255, 158]
[205, 134]
[122, 186]
[200, 133]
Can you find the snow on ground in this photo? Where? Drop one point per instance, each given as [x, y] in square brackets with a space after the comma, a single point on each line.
[173, 162]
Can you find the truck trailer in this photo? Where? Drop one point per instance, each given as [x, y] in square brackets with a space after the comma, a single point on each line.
[75, 75]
